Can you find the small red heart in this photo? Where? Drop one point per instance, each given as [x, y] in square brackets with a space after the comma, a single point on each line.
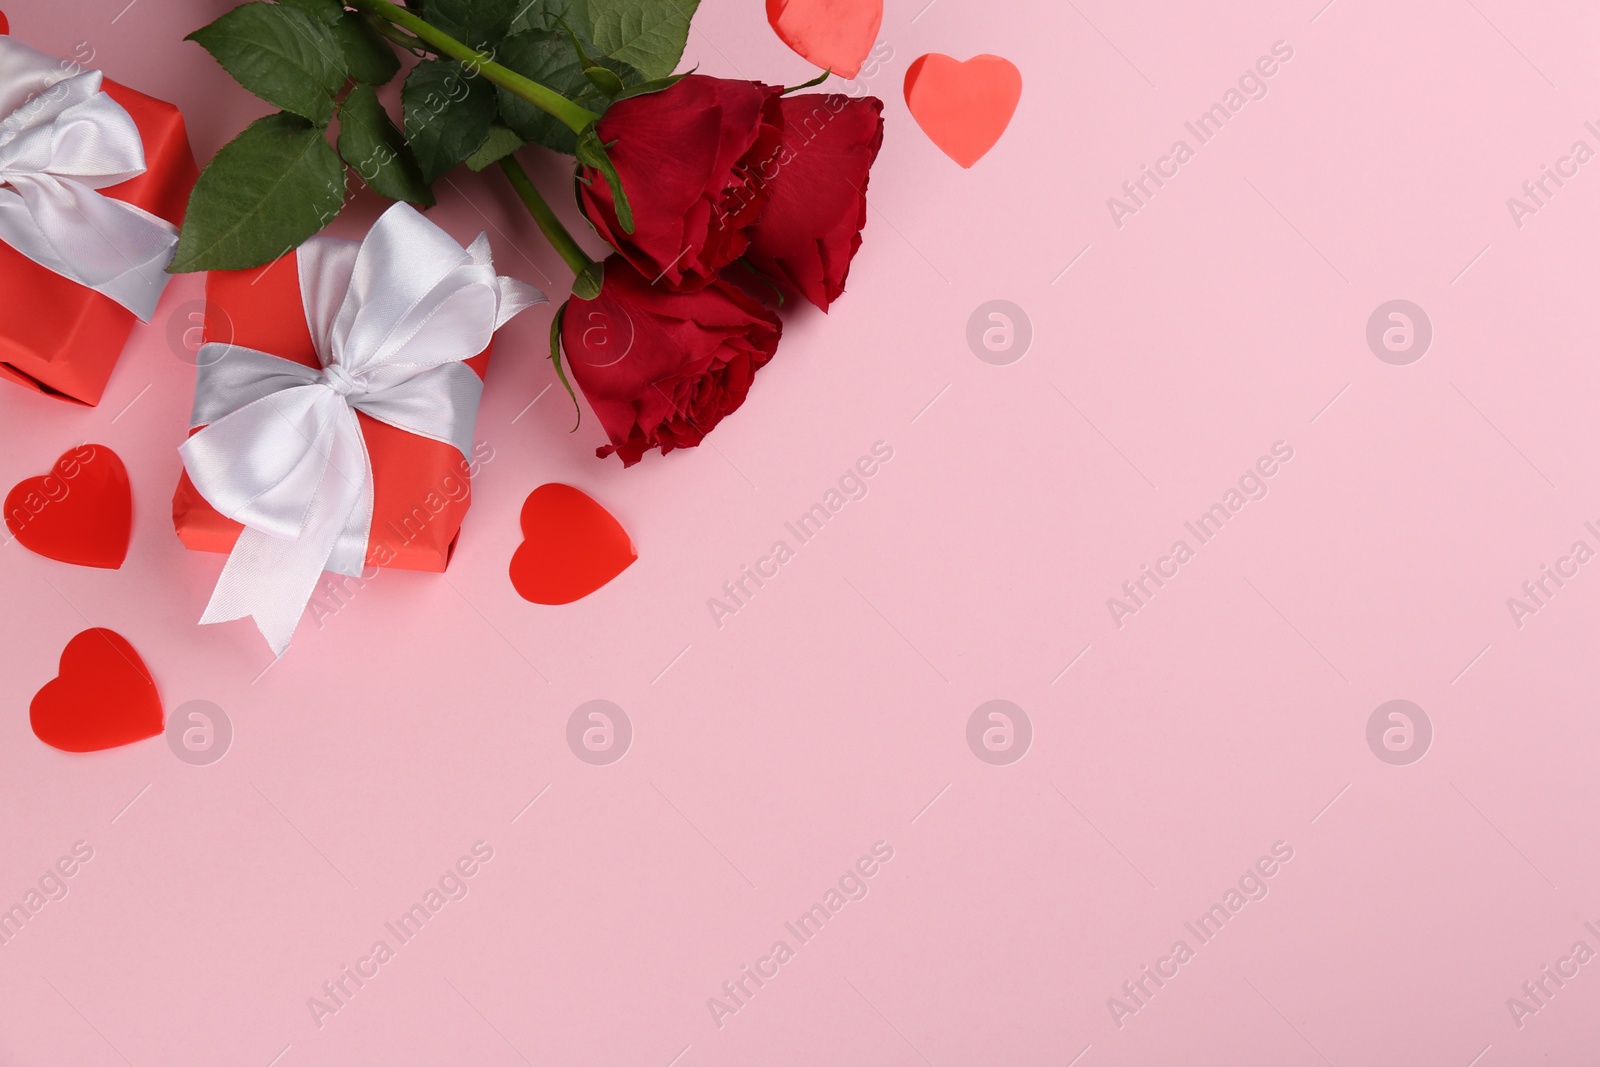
[963, 107]
[833, 34]
[103, 696]
[81, 512]
[5, 27]
[571, 546]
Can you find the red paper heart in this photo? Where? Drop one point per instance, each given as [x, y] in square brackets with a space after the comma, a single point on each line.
[81, 512]
[833, 34]
[963, 107]
[103, 697]
[5, 27]
[571, 546]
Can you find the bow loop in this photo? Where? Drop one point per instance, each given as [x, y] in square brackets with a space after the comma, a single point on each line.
[272, 489]
[393, 320]
[443, 309]
[64, 131]
[62, 139]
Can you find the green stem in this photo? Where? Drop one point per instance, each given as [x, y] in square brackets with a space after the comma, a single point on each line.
[549, 225]
[546, 99]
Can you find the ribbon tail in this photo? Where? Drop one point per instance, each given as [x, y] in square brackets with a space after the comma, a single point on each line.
[274, 606]
[146, 243]
[114, 248]
[271, 579]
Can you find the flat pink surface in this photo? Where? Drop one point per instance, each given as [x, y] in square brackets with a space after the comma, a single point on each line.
[1169, 754]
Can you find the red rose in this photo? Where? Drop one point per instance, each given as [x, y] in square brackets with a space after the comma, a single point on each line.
[811, 227]
[661, 368]
[684, 157]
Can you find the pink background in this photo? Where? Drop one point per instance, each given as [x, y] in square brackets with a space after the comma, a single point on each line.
[830, 713]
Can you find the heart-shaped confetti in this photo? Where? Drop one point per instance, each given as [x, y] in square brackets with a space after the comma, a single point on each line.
[81, 512]
[963, 107]
[102, 698]
[571, 546]
[833, 34]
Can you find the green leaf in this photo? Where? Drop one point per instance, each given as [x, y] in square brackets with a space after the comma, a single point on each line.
[479, 23]
[503, 141]
[268, 190]
[327, 11]
[448, 114]
[376, 151]
[555, 357]
[549, 14]
[615, 34]
[548, 58]
[626, 73]
[578, 47]
[647, 34]
[367, 55]
[281, 54]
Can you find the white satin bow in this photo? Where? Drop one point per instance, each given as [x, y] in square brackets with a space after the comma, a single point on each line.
[282, 452]
[61, 140]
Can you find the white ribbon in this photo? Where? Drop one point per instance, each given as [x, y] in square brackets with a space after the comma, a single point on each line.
[61, 140]
[392, 319]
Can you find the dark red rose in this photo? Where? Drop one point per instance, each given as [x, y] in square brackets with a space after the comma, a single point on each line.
[684, 156]
[811, 227]
[662, 368]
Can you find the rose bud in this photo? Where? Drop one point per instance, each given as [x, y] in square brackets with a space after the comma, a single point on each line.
[811, 227]
[661, 368]
[684, 158]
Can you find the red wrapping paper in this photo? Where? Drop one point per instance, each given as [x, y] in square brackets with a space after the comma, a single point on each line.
[62, 338]
[421, 488]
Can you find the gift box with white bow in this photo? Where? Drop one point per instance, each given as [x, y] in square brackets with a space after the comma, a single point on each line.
[334, 410]
[94, 178]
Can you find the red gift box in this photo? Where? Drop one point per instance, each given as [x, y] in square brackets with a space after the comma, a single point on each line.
[421, 488]
[63, 338]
